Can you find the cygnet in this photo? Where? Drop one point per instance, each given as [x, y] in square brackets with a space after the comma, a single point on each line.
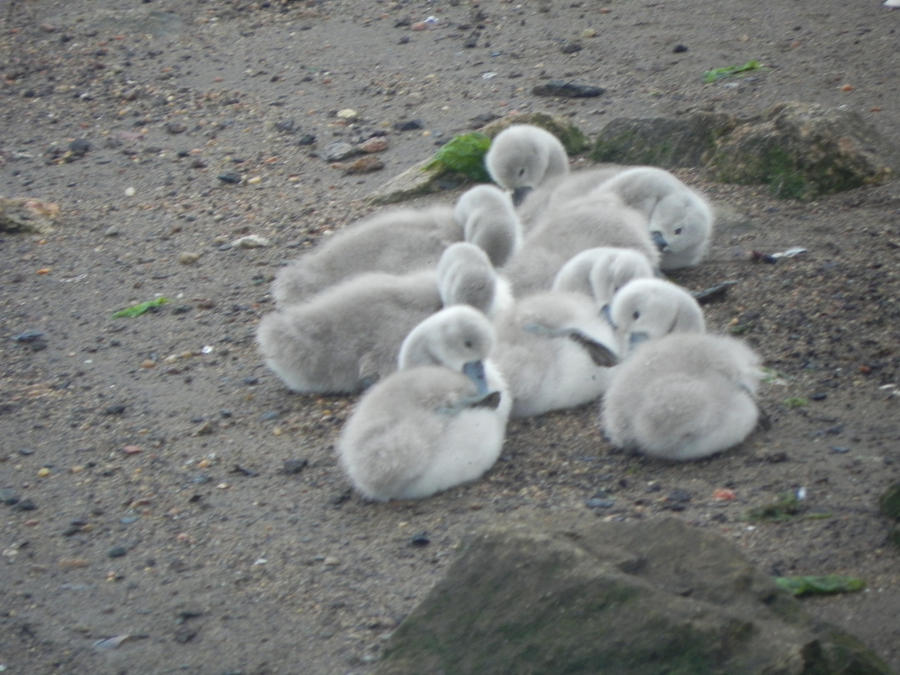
[600, 272]
[599, 219]
[489, 221]
[437, 422]
[403, 240]
[679, 218]
[679, 393]
[523, 157]
[683, 396]
[347, 337]
[555, 351]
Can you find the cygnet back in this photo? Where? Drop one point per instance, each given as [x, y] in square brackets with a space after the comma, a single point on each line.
[395, 241]
[490, 222]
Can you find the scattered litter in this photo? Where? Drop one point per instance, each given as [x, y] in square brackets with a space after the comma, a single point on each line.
[819, 585]
[713, 293]
[140, 308]
[790, 253]
[728, 71]
[115, 641]
[207, 349]
[488, 75]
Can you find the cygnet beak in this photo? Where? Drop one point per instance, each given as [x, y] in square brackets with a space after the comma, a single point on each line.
[474, 370]
[606, 313]
[660, 241]
[519, 194]
[636, 338]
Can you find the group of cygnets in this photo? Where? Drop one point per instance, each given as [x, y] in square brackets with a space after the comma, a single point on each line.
[542, 292]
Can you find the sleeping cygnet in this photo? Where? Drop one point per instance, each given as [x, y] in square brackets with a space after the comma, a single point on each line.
[600, 272]
[679, 218]
[679, 395]
[437, 422]
[489, 221]
[555, 350]
[347, 337]
[403, 240]
[600, 219]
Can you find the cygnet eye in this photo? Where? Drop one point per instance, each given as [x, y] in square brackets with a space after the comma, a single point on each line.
[678, 230]
[636, 315]
[521, 171]
[468, 344]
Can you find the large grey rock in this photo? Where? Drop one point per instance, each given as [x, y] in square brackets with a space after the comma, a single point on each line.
[653, 597]
[669, 142]
[803, 150]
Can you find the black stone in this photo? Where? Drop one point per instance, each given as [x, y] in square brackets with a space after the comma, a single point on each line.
[230, 177]
[567, 89]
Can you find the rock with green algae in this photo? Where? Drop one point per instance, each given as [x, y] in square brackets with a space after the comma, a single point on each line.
[629, 598]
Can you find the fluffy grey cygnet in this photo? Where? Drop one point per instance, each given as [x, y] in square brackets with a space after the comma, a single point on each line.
[437, 422]
[403, 240]
[347, 337]
[489, 221]
[679, 218]
[680, 394]
[599, 219]
[523, 156]
[555, 350]
[600, 272]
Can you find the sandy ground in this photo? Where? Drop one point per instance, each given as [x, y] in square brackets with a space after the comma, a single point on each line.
[164, 490]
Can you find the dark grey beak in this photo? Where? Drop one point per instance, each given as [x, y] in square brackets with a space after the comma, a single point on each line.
[474, 370]
[634, 339]
[660, 241]
[606, 313]
[519, 194]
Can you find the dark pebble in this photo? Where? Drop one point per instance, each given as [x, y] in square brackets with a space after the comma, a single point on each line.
[26, 505]
[570, 48]
[840, 449]
[250, 381]
[182, 309]
[306, 139]
[175, 127]
[269, 415]
[598, 503]
[292, 466]
[678, 496]
[230, 177]
[680, 49]
[836, 430]
[117, 409]
[9, 496]
[408, 125]
[185, 634]
[79, 147]
[225, 413]
[25, 452]
[201, 478]
[286, 126]
[250, 473]
[567, 89]
[117, 552]
[29, 336]
[420, 539]
[819, 396]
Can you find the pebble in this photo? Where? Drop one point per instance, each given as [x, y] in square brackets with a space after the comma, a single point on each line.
[251, 241]
[188, 257]
[79, 147]
[420, 539]
[117, 552]
[292, 466]
[376, 144]
[598, 503]
[29, 336]
[567, 89]
[366, 164]
[8, 496]
[148, 363]
[409, 125]
[679, 49]
[331, 561]
[111, 231]
[306, 139]
[230, 177]
[347, 114]
[337, 151]
[840, 449]
[116, 409]
[43, 472]
[26, 505]
[130, 191]
[570, 48]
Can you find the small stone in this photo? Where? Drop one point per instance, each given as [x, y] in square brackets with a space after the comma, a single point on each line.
[205, 429]
[26, 505]
[347, 114]
[111, 231]
[570, 48]
[72, 563]
[679, 49]
[420, 539]
[8, 496]
[29, 336]
[292, 466]
[130, 191]
[117, 552]
[338, 151]
[375, 144]
[567, 89]
[117, 409]
[148, 363]
[251, 241]
[598, 503]
[409, 125]
[132, 449]
[306, 139]
[254, 180]
[43, 472]
[366, 164]
[79, 147]
[286, 126]
[175, 127]
[230, 177]
[188, 257]
[840, 449]
[589, 33]
[331, 561]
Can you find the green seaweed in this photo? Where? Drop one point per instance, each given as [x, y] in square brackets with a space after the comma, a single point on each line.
[786, 507]
[819, 584]
[465, 155]
[140, 308]
[796, 402]
[728, 71]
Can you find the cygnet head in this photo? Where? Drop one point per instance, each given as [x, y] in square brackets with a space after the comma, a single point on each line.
[647, 309]
[523, 156]
[602, 271]
[459, 338]
[465, 276]
[489, 220]
[681, 224]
